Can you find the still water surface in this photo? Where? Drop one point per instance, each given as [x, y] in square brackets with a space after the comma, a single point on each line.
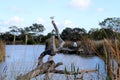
[22, 58]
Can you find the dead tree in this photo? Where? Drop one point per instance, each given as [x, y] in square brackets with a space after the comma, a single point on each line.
[50, 66]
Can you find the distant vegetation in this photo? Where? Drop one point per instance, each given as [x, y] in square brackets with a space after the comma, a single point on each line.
[109, 33]
[110, 28]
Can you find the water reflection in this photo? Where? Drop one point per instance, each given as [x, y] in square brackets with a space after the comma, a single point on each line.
[23, 58]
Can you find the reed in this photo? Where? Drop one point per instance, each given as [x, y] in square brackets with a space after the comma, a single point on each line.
[2, 50]
[111, 56]
[112, 51]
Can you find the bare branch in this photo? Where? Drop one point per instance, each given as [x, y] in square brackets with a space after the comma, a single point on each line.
[49, 67]
[72, 72]
[58, 34]
[41, 69]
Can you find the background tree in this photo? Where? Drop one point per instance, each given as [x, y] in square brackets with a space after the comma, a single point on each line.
[37, 29]
[14, 31]
[99, 34]
[26, 31]
[66, 34]
[73, 34]
[7, 37]
[22, 35]
[111, 23]
[78, 34]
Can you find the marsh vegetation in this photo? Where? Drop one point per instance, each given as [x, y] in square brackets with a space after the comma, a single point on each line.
[102, 43]
[2, 50]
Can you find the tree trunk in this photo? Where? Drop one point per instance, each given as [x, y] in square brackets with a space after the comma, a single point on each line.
[40, 38]
[14, 40]
[26, 38]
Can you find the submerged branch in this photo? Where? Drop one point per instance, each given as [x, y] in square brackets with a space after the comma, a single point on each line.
[41, 69]
[49, 67]
[72, 72]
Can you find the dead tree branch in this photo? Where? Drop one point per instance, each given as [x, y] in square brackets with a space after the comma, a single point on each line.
[41, 69]
[72, 72]
[49, 66]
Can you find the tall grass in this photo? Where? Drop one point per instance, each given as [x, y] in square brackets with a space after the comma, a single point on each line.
[109, 51]
[112, 51]
[2, 50]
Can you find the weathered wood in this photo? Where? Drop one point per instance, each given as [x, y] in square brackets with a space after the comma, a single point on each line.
[41, 69]
[52, 48]
[58, 34]
[49, 66]
[72, 72]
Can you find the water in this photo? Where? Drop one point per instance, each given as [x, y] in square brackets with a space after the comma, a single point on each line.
[22, 58]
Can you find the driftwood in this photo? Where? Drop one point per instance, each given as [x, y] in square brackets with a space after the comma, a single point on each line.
[50, 66]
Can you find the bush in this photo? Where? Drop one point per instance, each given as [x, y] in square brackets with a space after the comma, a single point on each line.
[30, 41]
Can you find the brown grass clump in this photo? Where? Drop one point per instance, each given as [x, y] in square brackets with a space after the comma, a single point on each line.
[2, 51]
[111, 57]
[112, 51]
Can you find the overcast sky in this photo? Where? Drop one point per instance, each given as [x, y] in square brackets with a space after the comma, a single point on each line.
[68, 13]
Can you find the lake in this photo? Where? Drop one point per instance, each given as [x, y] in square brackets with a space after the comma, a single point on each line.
[22, 58]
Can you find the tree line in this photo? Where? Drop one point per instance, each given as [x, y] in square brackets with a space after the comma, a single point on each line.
[110, 29]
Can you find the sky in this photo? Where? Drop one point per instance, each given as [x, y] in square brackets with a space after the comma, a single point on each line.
[68, 13]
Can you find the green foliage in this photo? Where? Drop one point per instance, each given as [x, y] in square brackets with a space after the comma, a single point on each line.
[76, 71]
[109, 26]
[30, 41]
[111, 23]
[20, 33]
[14, 30]
[66, 33]
[73, 34]
[65, 70]
[37, 28]
[99, 34]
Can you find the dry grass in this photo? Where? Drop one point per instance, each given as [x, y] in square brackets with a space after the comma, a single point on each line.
[111, 57]
[108, 50]
[112, 51]
[2, 51]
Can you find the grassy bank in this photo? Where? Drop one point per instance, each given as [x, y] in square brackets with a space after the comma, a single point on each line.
[2, 51]
[108, 50]
[85, 47]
